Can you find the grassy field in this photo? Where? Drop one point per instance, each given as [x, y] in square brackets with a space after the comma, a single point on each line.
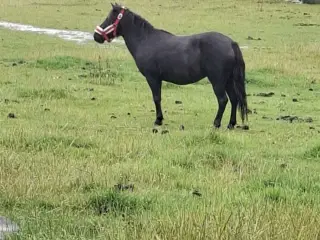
[83, 123]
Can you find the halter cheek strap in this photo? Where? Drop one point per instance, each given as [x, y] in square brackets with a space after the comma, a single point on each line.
[116, 23]
[111, 28]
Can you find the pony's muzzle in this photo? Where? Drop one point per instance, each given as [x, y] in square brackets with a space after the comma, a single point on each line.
[98, 38]
[103, 33]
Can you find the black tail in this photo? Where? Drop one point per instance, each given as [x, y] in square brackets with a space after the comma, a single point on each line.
[239, 81]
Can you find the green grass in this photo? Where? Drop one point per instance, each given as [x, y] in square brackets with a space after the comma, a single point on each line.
[84, 124]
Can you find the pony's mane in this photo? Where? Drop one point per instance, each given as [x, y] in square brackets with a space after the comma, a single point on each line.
[141, 22]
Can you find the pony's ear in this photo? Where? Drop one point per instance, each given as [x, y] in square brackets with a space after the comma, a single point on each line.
[112, 5]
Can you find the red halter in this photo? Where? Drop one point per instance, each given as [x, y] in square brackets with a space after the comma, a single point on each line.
[111, 28]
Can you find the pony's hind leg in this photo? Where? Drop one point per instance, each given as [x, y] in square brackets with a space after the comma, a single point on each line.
[234, 103]
[220, 92]
[155, 86]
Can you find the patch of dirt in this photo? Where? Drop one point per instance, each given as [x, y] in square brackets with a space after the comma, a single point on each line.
[244, 127]
[196, 193]
[307, 24]
[260, 102]
[267, 118]
[286, 17]
[7, 101]
[252, 38]
[12, 115]
[164, 131]
[253, 111]
[269, 94]
[283, 165]
[295, 118]
[18, 63]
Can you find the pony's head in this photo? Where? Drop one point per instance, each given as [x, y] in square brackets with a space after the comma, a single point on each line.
[111, 27]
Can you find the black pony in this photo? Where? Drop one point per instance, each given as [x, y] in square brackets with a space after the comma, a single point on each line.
[162, 56]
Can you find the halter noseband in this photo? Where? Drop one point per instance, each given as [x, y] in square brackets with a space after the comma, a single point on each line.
[111, 28]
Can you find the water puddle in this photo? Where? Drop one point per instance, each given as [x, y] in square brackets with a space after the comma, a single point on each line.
[294, 1]
[68, 35]
[7, 227]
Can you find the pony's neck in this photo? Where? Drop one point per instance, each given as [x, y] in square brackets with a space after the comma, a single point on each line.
[134, 31]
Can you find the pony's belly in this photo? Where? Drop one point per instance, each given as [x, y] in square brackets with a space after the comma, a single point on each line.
[183, 80]
[182, 72]
[182, 76]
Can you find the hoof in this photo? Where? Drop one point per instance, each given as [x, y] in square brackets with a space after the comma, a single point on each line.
[154, 130]
[158, 122]
[216, 124]
[230, 126]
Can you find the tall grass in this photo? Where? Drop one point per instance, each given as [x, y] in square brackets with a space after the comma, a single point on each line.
[80, 161]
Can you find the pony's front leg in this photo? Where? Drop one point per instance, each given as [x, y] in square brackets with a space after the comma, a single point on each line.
[155, 86]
